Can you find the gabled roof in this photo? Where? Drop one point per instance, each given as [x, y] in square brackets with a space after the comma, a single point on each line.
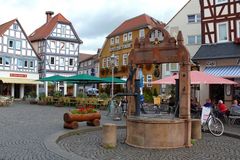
[178, 12]
[138, 22]
[5, 26]
[84, 56]
[217, 51]
[45, 30]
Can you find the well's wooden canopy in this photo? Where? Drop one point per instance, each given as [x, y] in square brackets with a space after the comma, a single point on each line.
[158, 47]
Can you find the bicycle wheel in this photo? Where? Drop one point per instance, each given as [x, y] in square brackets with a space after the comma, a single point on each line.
[215, 126]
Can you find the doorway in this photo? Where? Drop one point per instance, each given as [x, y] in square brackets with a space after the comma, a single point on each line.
[17, 91]
[216, 92]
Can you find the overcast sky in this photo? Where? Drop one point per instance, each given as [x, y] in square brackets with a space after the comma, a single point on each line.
[92, 19]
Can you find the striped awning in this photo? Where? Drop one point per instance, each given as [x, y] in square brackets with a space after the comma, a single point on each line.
[224, 71]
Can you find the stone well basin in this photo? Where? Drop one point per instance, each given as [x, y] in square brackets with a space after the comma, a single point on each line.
[156, 133]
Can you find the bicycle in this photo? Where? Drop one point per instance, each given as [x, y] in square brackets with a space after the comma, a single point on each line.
[214, 124]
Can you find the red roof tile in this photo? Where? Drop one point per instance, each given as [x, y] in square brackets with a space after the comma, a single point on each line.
[4, 27]
[45, 30]
[135, 23]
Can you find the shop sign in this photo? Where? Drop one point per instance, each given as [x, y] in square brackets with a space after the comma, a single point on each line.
[124, 46]
[18, 75]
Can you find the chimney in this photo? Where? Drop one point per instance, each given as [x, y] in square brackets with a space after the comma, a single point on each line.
[49, 15]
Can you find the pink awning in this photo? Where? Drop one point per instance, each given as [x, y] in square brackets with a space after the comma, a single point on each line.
[197, 77]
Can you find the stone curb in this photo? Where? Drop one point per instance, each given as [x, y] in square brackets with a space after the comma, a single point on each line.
[51, 141]
[231, 134]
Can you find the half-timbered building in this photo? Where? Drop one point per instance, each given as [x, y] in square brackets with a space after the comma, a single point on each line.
[18, 61]
[219, 55]
[57, 44]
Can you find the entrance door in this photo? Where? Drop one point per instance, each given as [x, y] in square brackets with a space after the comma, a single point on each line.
[17, 91]
[216, 92]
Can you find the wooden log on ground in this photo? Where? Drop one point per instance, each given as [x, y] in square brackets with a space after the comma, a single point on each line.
[69, 117]
[95, 122]
[71, 125]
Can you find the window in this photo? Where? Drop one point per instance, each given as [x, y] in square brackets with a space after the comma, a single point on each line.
[174, 67]
[167, 67]
[52, 60]
[62, 62]
[81, 64]
[149, 80]
[117, 40]
[112, 41]
[10, 44]
[1, 60]
[18, 45]
[125, 37]
[108, 61]
[72, 46]
[194, 40]
[104, 63]
[7, 61]
[89, 62]
[20, 63]
[141, 33]
[25, 63]
[238, 29]
[15, 26]
[116, 60]
[194, 18]
[125, 59]
[31, 64]
[63, 30]
[221, 1]
[130, 36]
[70, 61]
[53, 44]
[222, 32]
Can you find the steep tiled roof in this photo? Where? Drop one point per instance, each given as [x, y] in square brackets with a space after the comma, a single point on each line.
[135, 23]
[45, 30]
[4, 27]
[84, 56]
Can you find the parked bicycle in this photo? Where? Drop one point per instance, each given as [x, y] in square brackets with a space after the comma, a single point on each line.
[214, 124]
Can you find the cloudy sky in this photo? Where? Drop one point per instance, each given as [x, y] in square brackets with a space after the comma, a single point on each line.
[92, 19]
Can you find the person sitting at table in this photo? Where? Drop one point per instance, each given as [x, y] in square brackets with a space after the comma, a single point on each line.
[209, 103]
[235, 108]
[222, 109]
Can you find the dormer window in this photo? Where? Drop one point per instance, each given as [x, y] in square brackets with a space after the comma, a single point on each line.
[117, 40]
[15, 26]
[112, 41]
[129, 36]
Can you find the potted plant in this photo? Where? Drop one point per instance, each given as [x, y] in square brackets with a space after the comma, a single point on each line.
[102, 71]
[32, 97]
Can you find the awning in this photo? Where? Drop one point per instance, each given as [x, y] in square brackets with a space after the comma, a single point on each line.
[224, 71]
[19, 81]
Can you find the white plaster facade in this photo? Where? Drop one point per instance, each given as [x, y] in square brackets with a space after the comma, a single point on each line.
[188, 21]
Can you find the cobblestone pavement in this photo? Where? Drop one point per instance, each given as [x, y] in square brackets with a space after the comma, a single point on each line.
[88, 145]
[24, 127]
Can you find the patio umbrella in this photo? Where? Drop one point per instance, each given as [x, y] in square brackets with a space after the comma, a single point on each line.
[54, 78]
[82, 78]
[197, 77]
[115, 80]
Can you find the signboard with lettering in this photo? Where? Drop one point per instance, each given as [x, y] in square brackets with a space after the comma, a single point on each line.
[18, 75]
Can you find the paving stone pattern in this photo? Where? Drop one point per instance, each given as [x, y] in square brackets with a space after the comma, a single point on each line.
[24, 127]
[88, 145]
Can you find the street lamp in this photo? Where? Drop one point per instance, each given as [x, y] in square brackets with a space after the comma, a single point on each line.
[113, 65]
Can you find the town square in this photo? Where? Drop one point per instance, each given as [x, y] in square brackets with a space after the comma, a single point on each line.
[156, 81]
